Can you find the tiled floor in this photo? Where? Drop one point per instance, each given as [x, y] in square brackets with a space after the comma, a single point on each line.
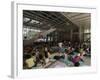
[87, 61]
[59, 64]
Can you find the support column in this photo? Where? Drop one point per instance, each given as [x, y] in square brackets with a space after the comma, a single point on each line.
[71, 35]
[47, 38]
[81, 33]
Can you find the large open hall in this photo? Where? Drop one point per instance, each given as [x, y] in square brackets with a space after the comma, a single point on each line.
[56, 39]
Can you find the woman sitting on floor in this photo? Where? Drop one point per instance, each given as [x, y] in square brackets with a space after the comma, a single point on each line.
[46, 54]
[78, 58]
[30, 61]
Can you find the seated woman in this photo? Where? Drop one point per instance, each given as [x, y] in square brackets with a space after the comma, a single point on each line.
[61, 51]
[46, 54]
[30, 61]
[34, 59]
[88, 52]
[76, 60]
[82, 55]
[67, 58]
[39, 57]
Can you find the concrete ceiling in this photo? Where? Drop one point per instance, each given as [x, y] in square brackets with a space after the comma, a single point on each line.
[80, 19]
[45, 20]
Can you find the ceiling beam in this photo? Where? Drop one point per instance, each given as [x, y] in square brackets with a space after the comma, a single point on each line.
[50, 18]
[37, 14]
[66, 19]
[84, 18]
[53, 17]
[81, 16]
[74, 14]
[39, 17]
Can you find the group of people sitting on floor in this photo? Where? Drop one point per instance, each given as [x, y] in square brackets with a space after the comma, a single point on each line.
[70, 55]
[35, 57]
[73, 54]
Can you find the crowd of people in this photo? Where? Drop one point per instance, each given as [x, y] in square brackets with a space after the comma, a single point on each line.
[36, 57]
[72, 54]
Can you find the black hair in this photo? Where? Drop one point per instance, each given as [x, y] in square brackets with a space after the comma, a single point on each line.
[33, 54]
[27, 56]
[77, 64]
